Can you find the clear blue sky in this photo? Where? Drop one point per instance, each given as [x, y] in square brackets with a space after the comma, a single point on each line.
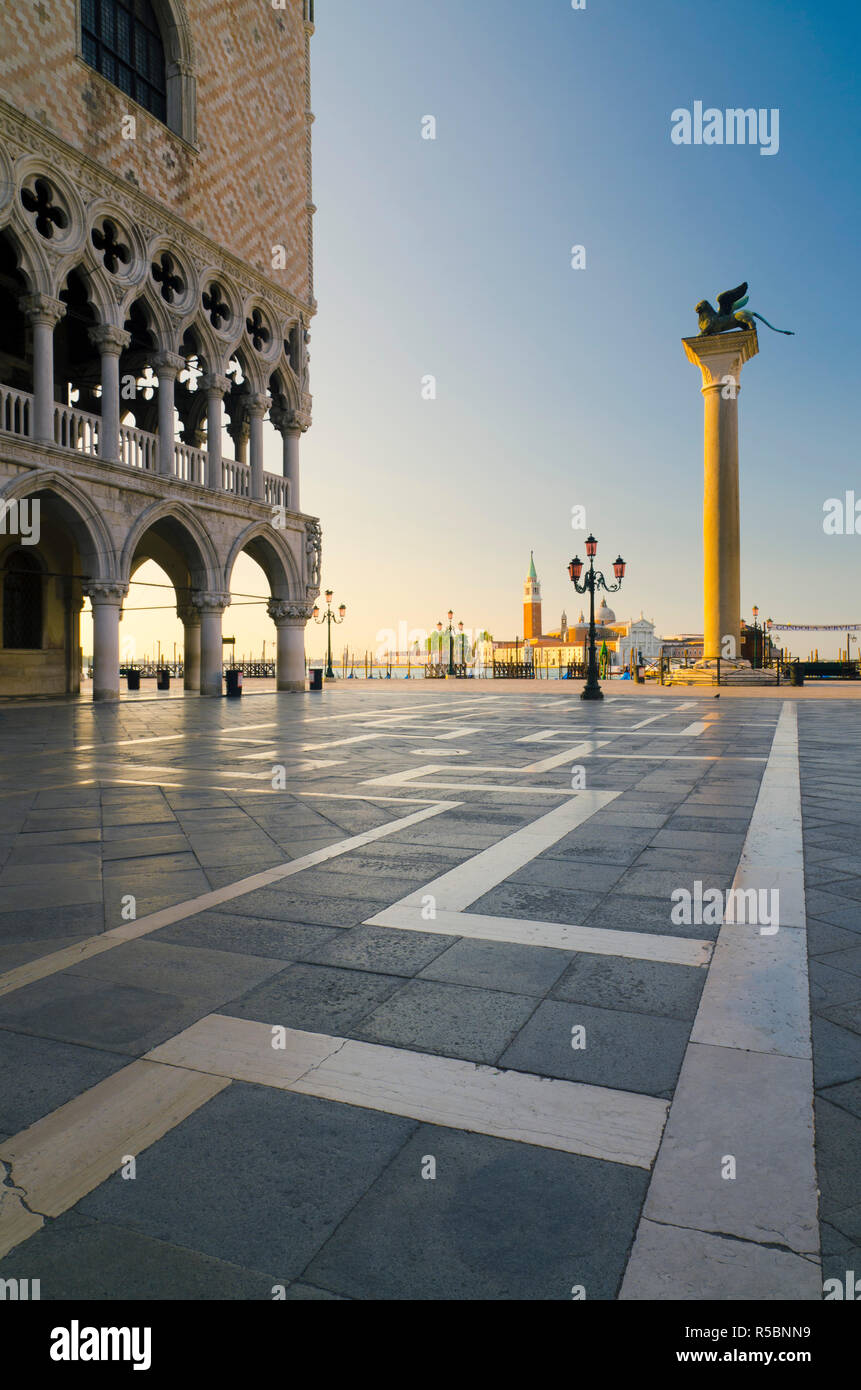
[559, 387]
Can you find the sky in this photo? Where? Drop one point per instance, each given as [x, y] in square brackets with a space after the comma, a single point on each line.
[559, 387]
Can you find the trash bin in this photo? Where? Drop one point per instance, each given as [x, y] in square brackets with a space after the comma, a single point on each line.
[317, 678]
[162, 679]
[234, 684]
[796, 675]
[134, 679]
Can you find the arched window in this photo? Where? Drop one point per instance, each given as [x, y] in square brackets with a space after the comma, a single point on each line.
[22, 602]
[121, 40]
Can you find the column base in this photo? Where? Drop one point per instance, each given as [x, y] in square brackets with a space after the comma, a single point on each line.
[288, 687]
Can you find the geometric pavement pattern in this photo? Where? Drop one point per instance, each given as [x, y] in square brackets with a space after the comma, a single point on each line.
[378, 996]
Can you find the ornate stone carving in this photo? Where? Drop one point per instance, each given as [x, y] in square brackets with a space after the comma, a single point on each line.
[210, 603]
[282, 611]
[313, 557]
[288, 421]
[41, 308]
[108, 339]
[168, 364]
[105, 591]
[211, 381]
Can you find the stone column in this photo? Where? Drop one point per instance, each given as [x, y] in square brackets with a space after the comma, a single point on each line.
[290, 620]
[43, 314]
[211, 608]
[106, 598]
[111, 342]
[291, 430]
[190, 619]
[257, 408]
[720, 358]
[216, 387]
[167, 366]
[239, 431]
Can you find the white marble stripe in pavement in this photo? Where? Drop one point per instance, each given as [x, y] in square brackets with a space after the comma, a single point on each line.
[600, 941]
[462, 885]
[746, 1092]
[68, 1153]
[44, 966]
[618, 1126]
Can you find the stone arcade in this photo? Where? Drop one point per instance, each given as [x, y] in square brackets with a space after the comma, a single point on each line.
[141, 316]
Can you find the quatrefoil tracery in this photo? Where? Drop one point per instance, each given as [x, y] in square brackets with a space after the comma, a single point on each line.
[39, 200]
[257, 330]
[215, 304]
[106, 239]
[164, 272]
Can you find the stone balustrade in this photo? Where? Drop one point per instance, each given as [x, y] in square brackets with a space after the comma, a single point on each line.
[80, 431]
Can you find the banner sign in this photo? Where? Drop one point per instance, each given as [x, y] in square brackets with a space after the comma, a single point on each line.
[817, 627]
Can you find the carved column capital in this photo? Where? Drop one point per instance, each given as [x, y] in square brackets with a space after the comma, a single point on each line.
[108, 339]
[106, 591]
[257, 404]
[211, 381]
[210, 603]
[720, 356]
[188, 614]
[41, 308]
[167, 365]
[288, 421]
[283, 612]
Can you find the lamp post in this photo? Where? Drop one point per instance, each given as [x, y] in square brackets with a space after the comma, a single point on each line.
[756, 631]
[329, 618]
[451, 636]
[593, 580]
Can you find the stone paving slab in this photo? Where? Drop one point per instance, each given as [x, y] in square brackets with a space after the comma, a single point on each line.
[338, 1204]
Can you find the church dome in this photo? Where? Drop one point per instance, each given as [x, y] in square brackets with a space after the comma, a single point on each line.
[604, 614]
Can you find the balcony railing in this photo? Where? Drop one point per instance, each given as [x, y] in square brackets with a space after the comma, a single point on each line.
[75, 429]
[16, 412]
[79, 431]
[139, 449]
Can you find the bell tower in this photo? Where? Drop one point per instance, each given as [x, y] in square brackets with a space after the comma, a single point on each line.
[531, 602]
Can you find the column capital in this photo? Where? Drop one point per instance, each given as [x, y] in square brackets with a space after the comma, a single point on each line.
[42, 308]
[285, 613]
[167, 364]
[187, 613]
[108, 339]
[257, 404]
[288, 421]
[107, 591]
[719, 355]
[211, 381]
[210, 603]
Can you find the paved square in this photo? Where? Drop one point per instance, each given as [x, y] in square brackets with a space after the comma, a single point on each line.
[436, 1018]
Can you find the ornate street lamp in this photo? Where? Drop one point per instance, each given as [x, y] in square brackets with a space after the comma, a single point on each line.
[451, 635]
[594, 580]
[329, 618]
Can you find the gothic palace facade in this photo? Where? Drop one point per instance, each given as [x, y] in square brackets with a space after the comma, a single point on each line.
[156, 287]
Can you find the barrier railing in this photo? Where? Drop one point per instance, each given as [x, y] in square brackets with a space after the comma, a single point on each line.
[76, 429]
[189, 464]
[16, 411]
[139, 449]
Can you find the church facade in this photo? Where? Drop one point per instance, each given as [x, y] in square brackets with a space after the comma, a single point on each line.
[156, 289]
[569, 643]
